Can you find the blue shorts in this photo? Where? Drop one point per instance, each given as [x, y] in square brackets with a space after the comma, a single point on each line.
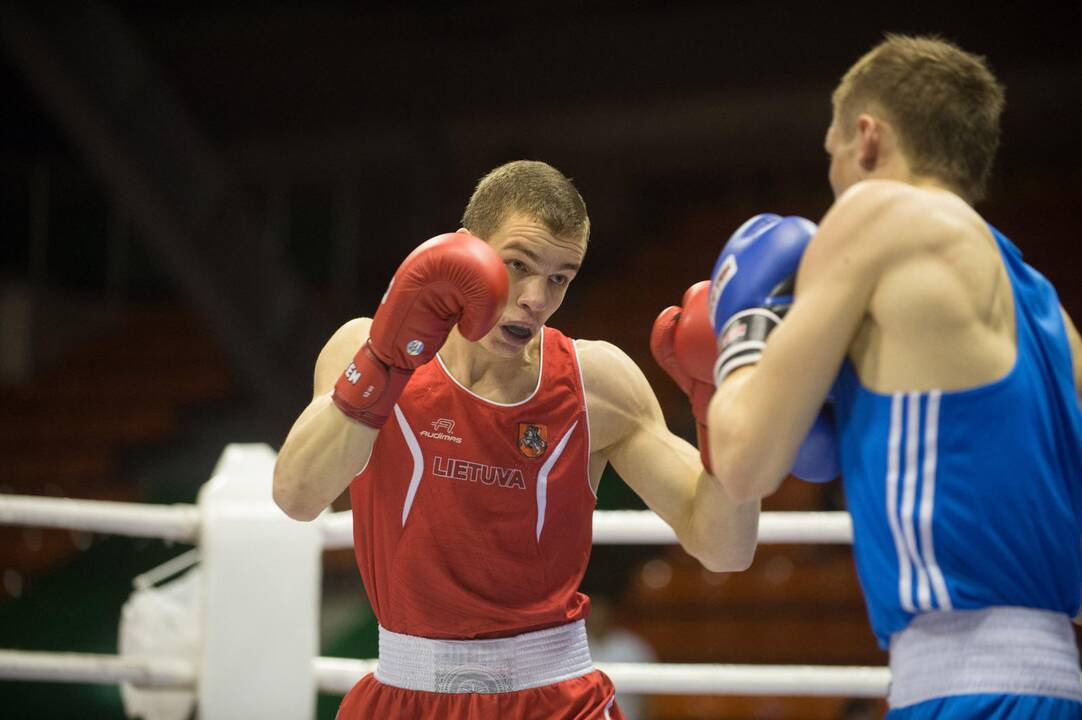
[991, 707]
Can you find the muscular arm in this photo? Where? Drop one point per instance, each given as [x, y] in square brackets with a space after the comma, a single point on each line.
[324, 449]
[629, 431]
[1076, 352]
[760, 414]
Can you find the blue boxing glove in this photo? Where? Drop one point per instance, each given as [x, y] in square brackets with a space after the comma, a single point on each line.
[751, 290]
[752, 286]
[817, 459]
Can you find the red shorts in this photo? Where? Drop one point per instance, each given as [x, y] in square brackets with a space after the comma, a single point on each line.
[589, 697]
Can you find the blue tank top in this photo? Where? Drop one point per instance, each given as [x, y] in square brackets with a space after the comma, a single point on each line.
[972, 498]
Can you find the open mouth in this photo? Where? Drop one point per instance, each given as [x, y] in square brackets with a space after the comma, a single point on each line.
[516, 333]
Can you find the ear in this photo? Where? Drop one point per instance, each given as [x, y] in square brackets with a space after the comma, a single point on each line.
[870, 132]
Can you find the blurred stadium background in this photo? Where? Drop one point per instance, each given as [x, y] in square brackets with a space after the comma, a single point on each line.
[195, 194]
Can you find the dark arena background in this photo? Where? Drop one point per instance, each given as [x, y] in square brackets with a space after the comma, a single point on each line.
[195, 194]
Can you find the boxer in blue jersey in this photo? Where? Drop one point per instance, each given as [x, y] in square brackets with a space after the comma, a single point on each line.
[955, 379]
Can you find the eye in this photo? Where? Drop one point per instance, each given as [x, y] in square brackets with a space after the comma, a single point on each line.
[560, 280]
[516, 265]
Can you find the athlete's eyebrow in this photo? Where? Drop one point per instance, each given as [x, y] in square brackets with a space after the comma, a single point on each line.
[532, 254]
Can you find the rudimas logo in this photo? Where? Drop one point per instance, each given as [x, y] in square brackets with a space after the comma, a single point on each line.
[442, 429]
[533, 439]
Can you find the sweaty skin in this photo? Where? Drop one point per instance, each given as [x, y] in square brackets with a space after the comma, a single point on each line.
[906, 281]
[903, 278]
[324, 450]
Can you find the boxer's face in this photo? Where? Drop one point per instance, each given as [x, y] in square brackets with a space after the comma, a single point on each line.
[540, 266]
[844, 161]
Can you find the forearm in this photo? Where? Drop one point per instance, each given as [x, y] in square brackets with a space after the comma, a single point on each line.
[665, 471]
[321, 455]
[748, 461]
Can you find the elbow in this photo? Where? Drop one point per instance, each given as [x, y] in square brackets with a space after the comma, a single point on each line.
[724, 560]
[725, 550]
[292, 500]
[294, 506]
[742, 560]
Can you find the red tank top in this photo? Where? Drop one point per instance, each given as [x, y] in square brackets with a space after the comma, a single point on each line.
[473, 519]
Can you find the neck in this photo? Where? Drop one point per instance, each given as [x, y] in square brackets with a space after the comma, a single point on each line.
[932, 183]
[901, 170]
[499, 378]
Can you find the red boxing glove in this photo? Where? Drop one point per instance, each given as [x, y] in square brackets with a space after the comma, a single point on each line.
[452, 278]
[682, 343]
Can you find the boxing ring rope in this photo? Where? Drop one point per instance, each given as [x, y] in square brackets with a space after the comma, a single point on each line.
[96, 668]
[180, 523]
[235, 514]
[338, 675]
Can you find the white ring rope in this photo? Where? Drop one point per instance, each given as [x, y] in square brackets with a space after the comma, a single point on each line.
[95, 668]
[168, 522]
[181, 522]
[643, 527]
[338, 675]
[184, 523]
[712, 679]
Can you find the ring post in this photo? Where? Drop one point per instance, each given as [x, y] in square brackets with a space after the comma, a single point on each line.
[261, 595]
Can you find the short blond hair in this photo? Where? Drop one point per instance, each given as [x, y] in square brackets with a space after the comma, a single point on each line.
[944, 103]
[530, 187]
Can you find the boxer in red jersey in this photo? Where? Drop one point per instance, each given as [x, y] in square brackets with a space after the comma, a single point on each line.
[473, 472]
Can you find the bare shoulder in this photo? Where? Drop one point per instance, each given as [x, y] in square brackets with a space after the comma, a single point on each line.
[618, 395]
[606, 369]
[593, 354]
[871, 199]
[339, 350]
[877, 222]
[871, 207]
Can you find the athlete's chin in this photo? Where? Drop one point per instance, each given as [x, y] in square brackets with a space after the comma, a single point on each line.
[501, 347]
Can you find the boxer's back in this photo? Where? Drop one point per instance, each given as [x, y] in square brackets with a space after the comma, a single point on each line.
[962, 471]
[943, 316]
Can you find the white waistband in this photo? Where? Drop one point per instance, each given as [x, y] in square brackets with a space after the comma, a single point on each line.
[499, 665]
[999, 650]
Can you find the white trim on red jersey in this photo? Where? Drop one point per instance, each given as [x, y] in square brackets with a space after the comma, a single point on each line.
[418, 461]
[543, 477]
[528, 398]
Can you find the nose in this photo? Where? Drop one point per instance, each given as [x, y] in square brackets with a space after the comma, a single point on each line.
[532, 295]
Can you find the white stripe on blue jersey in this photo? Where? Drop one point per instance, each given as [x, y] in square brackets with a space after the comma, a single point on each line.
[911, 515]
[931, 437]
[894, 444]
